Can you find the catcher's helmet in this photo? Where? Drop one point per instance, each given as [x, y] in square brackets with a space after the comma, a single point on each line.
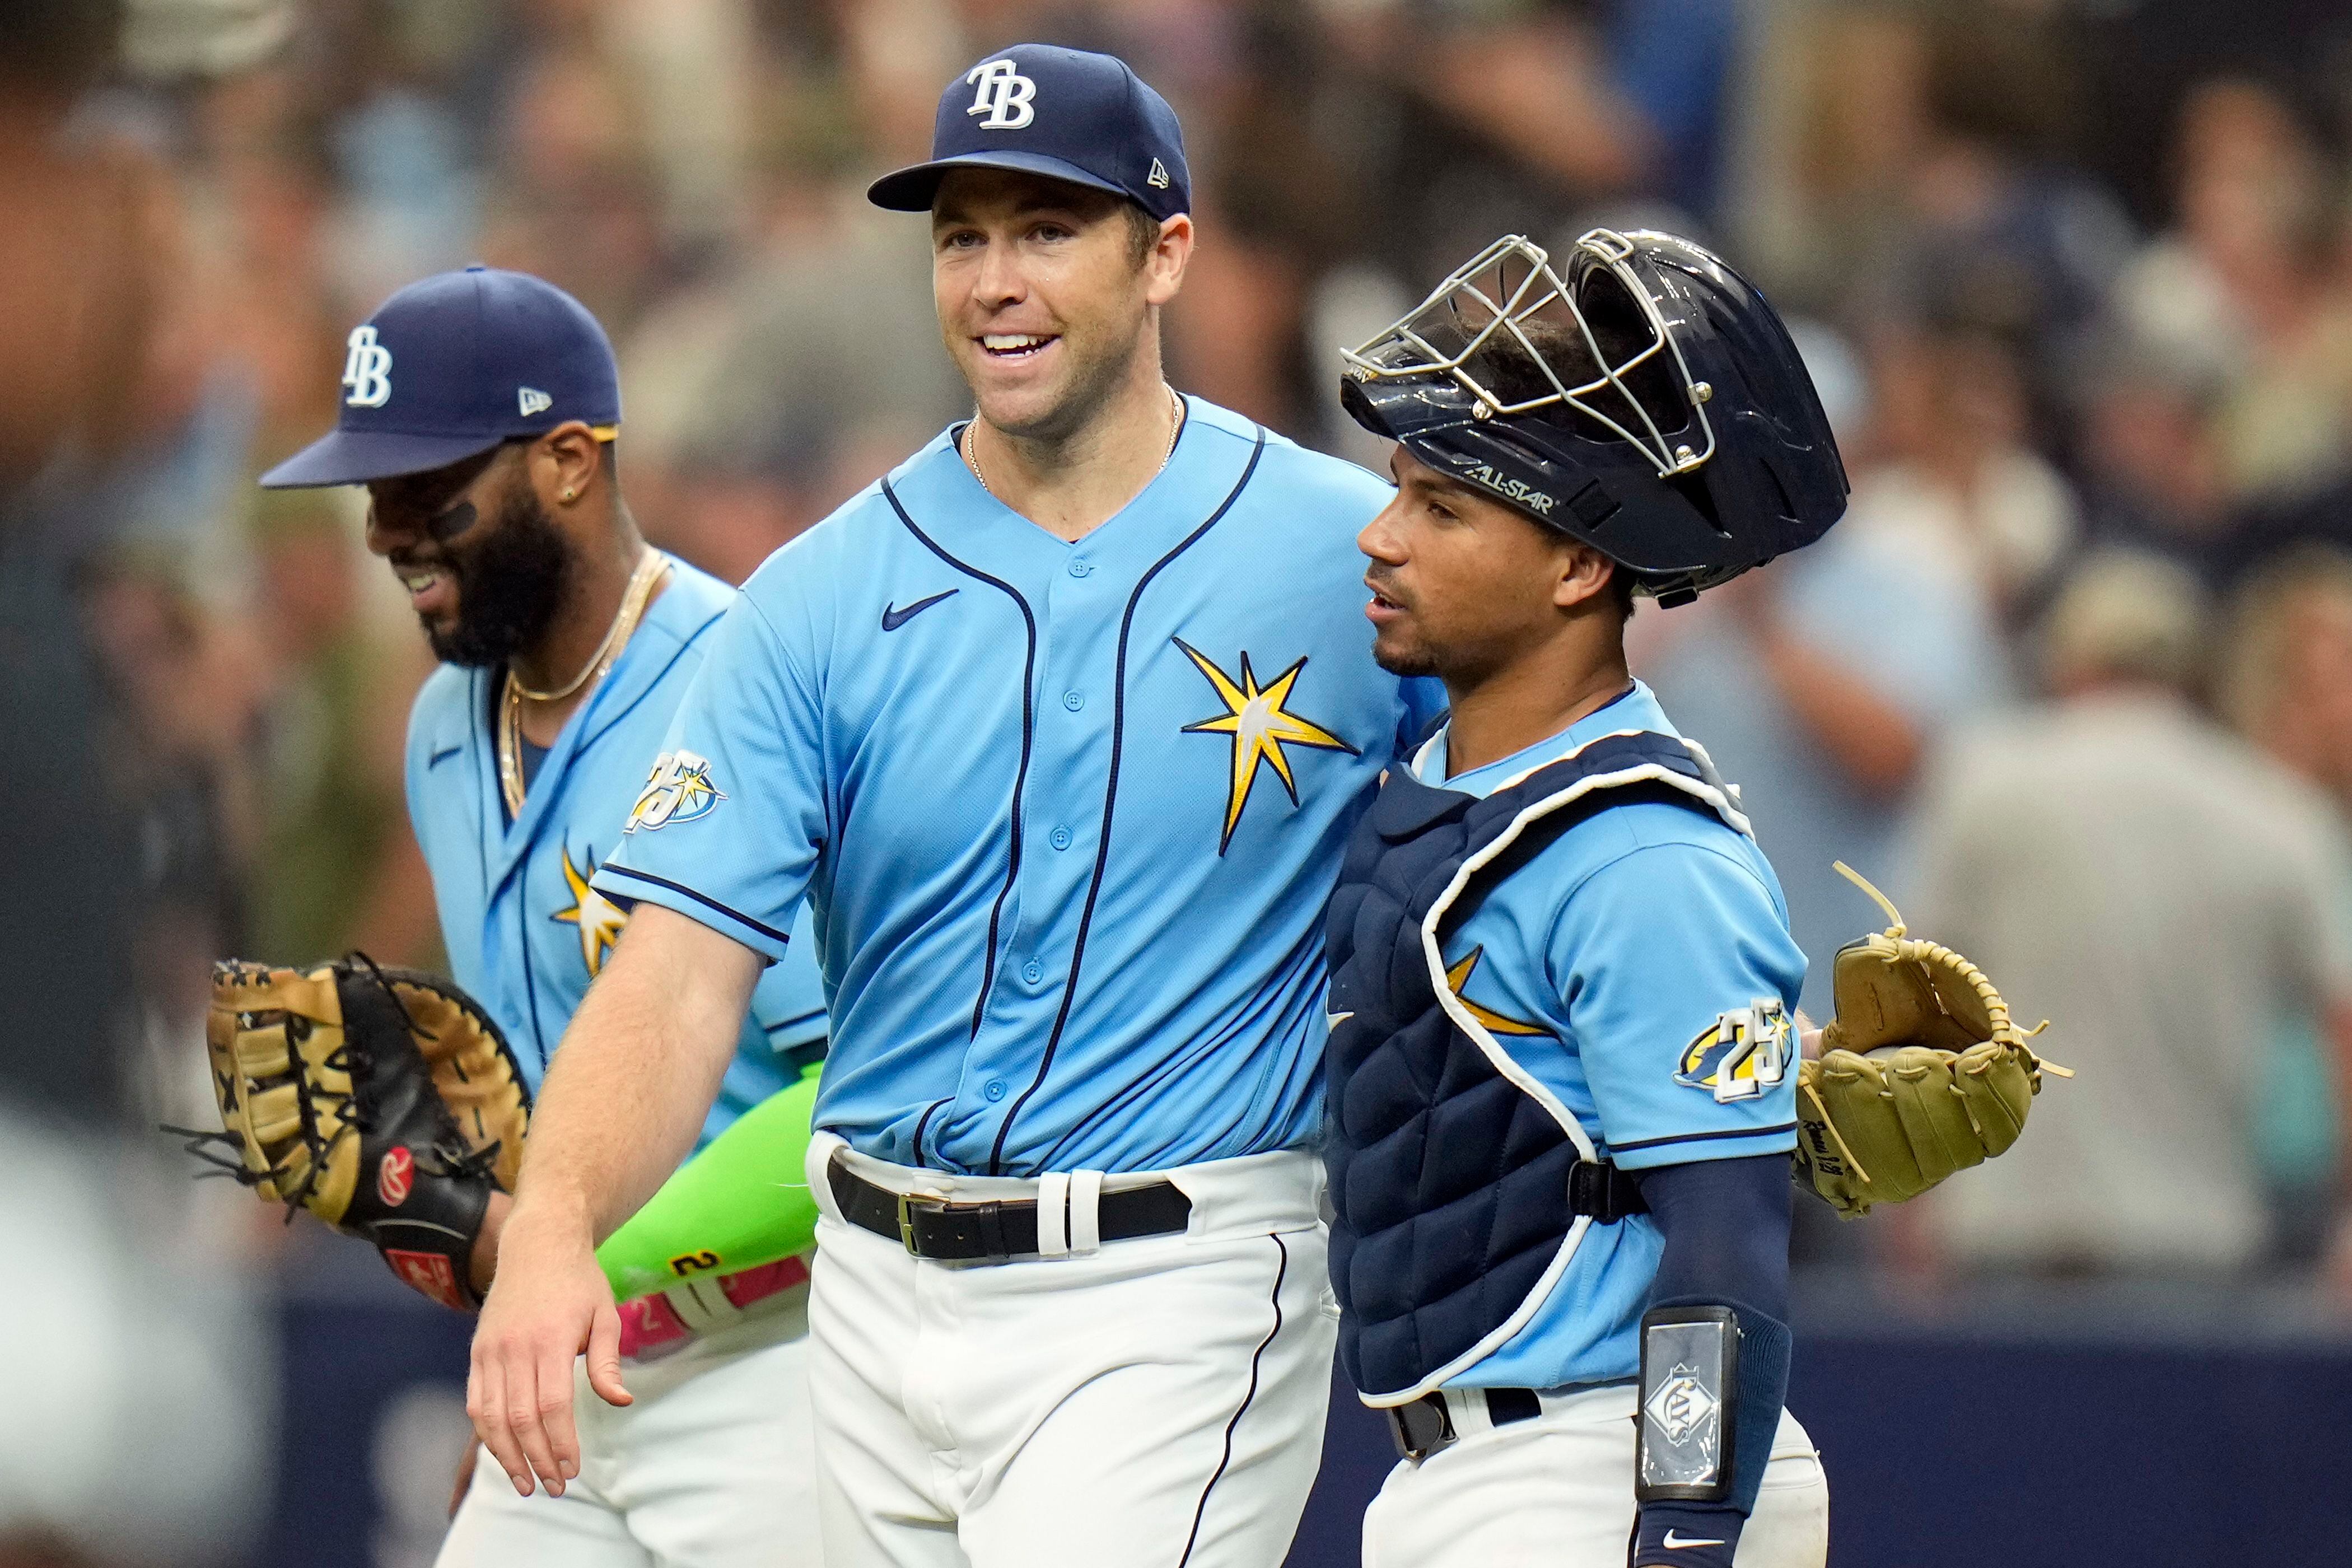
[1648, 403]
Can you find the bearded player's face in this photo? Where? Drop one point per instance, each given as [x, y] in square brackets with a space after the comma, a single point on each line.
[485, 567]
[1041, 295]
[1461, 584]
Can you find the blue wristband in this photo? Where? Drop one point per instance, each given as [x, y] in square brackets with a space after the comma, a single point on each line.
[1687, 1535]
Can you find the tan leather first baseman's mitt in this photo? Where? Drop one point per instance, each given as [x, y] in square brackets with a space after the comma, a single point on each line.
[1922, 1072]
[383, 1101]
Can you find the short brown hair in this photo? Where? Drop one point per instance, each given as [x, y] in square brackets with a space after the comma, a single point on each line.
[1095, 206]
[1142, 233]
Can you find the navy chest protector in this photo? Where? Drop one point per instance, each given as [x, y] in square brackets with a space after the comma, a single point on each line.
[1461, 1186]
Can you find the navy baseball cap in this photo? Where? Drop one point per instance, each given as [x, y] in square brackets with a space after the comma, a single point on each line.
[1063, 113]
[454, 365]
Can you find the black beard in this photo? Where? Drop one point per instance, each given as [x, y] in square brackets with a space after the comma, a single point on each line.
[509, 587]
[1404, 661]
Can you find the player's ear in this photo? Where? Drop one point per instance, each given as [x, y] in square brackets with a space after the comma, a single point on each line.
[566, 465]
[1164, 264]
[1583, 574]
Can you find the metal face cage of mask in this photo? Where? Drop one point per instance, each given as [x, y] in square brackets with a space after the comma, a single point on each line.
[1644, 391]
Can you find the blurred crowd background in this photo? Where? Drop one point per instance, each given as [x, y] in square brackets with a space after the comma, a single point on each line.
[2073, 681]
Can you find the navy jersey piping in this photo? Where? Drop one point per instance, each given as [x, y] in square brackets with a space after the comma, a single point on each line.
[1703, 1137]
[530, 979]
[605, 722]
[1224, 1459]
[1110, 798]
[481, 839]
[1028, 727]
[485, 697]
[705, 900]
[921, 1126]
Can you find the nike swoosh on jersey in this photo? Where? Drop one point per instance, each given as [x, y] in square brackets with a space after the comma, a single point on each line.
[437, 758]
[893, 618]
[1333, 1020]
[1676, 1543]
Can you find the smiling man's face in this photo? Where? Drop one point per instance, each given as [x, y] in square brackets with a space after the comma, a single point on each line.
[486, 568]
[1041, 295]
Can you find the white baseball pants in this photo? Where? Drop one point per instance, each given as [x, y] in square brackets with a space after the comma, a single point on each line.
[713, 1466]
[1153, 1403]
[1558, 1489]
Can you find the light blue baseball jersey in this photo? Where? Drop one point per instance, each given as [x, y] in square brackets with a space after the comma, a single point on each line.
[1067, 814]
[525, 928]
[1605, 966]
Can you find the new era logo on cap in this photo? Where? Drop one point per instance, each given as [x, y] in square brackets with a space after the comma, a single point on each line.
[1157, 178]
[530, 400]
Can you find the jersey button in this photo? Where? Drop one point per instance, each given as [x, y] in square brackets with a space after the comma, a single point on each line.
[1080, 568]
[1074, 700]
[1033, 972]
[995, 1089]
[1061, 838]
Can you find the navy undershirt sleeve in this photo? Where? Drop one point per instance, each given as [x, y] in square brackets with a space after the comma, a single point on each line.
[1726, 1223]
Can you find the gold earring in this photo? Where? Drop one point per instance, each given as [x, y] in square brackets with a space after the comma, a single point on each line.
[569, 494]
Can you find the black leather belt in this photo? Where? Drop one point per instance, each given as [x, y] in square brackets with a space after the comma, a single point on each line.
[994, 1232]
[1425, 1425]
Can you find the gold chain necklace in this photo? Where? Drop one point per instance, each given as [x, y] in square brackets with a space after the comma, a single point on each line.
[969, 446]
[652, 568]
[632, 602]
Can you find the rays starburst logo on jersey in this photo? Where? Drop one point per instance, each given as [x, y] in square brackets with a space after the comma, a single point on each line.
[599, 918]
[1458, 976]
[1259, 721]
[677, 790]
[1747, 1050]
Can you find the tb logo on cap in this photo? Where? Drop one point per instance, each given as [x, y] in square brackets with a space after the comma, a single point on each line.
[367, 369]
[1005, 96]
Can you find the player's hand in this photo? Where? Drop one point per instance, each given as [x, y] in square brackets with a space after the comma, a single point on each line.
[549, 1304]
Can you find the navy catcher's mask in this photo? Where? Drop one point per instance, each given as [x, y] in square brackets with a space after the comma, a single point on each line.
[1648, 403]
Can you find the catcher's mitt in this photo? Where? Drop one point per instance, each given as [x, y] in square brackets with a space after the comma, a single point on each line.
[383, 1101]
[1921, 1074]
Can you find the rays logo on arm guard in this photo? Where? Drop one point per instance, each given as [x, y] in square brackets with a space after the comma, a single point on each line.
[1690, 1379]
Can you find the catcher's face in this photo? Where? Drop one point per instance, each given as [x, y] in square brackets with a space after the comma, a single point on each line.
[1461, 585]
[484, 564]
[1045, 296]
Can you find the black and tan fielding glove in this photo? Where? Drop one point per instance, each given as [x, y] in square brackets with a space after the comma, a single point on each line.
[383, 1101]
[1922, 1072]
